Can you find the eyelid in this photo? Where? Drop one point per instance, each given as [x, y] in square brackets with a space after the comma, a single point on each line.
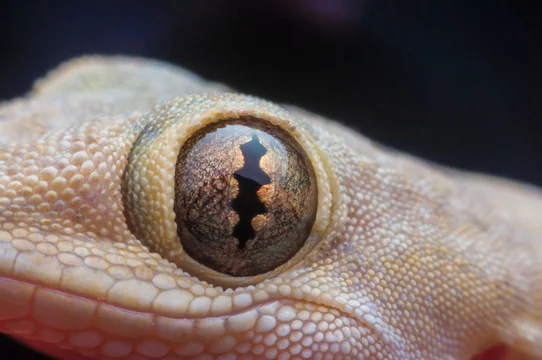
[148, 183]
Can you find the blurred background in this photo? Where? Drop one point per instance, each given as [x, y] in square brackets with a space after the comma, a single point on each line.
[457, 82]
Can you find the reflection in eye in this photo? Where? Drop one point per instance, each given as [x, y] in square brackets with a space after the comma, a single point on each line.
[245, 196]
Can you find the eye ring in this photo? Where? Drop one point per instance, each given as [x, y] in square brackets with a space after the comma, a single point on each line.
[149, 178]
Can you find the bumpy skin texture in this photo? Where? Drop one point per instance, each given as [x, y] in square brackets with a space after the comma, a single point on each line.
[406, 260]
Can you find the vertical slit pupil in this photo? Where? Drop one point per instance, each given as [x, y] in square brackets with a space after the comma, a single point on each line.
[250, 178]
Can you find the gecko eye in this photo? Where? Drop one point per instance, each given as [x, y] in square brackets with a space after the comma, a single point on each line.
[245, 196]
[229, 188]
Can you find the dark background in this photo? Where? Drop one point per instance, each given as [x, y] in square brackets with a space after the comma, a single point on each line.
[458, 82]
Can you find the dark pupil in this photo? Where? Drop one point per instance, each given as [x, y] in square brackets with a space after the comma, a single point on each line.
[250, 178]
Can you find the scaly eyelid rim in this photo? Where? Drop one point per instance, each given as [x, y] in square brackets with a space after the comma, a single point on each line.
[148, 184]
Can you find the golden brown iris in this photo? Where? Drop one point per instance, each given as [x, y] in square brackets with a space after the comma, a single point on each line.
[245, 196]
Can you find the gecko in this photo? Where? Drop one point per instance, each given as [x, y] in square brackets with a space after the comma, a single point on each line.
[147, 213]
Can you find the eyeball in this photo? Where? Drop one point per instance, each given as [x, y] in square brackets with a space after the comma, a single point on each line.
[229, 188]
[245, 197]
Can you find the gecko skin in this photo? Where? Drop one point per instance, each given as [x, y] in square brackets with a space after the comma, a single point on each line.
[407, 260]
